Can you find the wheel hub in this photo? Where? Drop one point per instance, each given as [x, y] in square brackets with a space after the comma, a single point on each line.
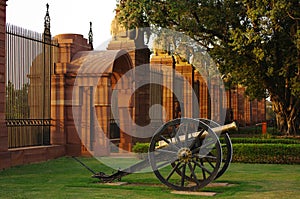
[184, 155]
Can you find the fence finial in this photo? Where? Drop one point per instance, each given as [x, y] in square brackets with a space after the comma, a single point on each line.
[91, 36]
[47, 33]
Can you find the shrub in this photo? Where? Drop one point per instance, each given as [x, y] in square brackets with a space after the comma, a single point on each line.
[141, 147]
[266, 153]
[263, 141]
[141, 150]
[252, 150]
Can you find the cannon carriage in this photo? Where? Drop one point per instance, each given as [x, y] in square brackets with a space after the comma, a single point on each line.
[185, 154]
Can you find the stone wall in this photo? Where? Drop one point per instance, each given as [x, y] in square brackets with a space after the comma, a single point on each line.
[4, 154]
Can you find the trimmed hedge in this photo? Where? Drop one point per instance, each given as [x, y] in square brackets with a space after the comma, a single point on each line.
[263, 141]
[267, 153]
[255, 150]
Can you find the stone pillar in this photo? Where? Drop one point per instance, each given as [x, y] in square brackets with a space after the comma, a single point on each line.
[157, 115]
[203, 99]
[187, 71]
[262, 110]
[126, 140]
[4, 154]
[102, 103]
[166, 64]
[241, 105]
[254, 105]
[247, 111]
[140, 55]
[234, 103]
[63, 131]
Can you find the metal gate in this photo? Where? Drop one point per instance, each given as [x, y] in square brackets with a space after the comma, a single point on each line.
[29, 65]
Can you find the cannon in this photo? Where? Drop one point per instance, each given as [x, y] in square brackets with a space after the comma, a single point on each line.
[185, 154]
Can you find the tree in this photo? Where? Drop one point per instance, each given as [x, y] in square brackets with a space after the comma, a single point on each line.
[255, 42]
[16, 101]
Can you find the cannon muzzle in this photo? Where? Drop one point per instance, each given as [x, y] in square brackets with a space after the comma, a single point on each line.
[225, 128]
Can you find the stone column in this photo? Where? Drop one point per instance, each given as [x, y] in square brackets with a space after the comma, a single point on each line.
[262, 110]
[140, 55]
[102, 103]
[187, 71]
[166, 64]
[126, 139]
[241, 105]
[63, 131]
[4, 154]
[203, 98]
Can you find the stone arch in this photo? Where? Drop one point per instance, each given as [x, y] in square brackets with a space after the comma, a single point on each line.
[97, 72]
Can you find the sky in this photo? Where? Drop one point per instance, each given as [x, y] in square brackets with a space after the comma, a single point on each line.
[67, 16]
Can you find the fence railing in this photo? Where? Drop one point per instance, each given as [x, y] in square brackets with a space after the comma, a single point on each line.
[29, 62]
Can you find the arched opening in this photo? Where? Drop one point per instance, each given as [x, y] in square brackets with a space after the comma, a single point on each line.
[98, 73]
[118, 123]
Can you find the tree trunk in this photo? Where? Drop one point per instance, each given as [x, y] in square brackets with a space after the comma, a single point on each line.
[287, 116]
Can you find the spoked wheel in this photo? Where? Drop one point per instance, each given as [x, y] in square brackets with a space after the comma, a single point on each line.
[226, 147]
[180, 154]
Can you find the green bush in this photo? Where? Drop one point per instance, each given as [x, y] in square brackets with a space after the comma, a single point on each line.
[266, 153]
[253, 150]
[263, 141]
[141, 147]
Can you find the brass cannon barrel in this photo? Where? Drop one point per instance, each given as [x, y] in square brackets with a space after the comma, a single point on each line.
[226, 127]
[218, 130]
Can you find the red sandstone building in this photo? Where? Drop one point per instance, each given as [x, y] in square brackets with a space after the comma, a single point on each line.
[83, 82]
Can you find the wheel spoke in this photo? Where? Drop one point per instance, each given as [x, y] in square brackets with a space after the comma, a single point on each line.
[167, 151]
[210, 163]
[177, 136]
[193, 173]
[203, 171]
[202, 167]
[186, 135]
[173, 170]
[162, 165]
[208, 143]
[211, 156]
[181, 132]
[205, 156]
[183, 175]
[168, 142]
[165, 139]
[197, 139]
[172, 135]
[196, 150]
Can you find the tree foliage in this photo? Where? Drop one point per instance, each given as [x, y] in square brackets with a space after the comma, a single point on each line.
[16, 102]
[255, 42]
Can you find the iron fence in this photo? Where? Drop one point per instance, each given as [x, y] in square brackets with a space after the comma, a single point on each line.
[30, 61]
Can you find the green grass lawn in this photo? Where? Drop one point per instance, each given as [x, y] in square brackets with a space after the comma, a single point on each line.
[65, 178]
